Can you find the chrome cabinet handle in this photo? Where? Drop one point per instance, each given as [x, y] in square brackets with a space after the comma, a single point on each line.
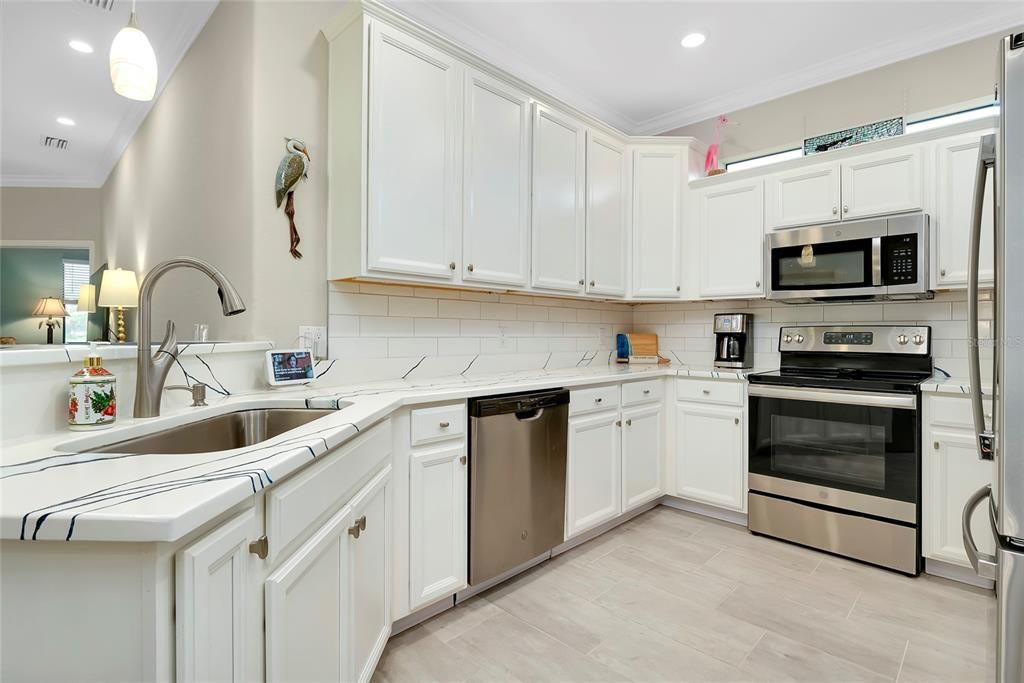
[618, 423]
[451, 266]
[757, 284]
[679, 288]
[846, 209]
[592, 283]
[646, 391]
[260, 547]
[835, 210]
[470, 267]
[736, 420]
[942, 272]
[358, 527]
[706, 392]
[445, 425]
[598, 400]
[581, 283]
[935, 445]
[462, 460]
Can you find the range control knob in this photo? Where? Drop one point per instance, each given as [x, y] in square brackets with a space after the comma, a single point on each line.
[787, 338]
[799, 339]
[918, 339]
[902, 340]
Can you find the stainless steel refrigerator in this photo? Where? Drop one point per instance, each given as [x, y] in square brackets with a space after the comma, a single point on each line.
[1003, 439]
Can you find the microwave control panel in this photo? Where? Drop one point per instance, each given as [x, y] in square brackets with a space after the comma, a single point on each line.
[899, 259]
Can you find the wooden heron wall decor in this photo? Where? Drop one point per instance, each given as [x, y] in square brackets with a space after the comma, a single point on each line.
[293, 167]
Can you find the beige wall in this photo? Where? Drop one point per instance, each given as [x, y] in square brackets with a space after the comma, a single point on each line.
[51, 213]
[937, 82]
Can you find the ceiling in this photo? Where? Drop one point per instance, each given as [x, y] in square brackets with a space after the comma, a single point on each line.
[622, 61]
[42, 78]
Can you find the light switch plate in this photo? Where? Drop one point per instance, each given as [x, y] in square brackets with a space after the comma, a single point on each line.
[314, 338]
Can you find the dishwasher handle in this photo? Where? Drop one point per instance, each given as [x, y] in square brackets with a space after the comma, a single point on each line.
[530, 415]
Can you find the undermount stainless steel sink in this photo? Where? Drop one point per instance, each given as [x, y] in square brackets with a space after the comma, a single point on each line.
[221, 433]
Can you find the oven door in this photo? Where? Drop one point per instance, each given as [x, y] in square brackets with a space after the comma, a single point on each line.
[852, 450]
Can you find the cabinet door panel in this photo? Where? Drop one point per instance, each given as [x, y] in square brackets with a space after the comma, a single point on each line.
[731, 229]
[886, 182]
[607, 241]
[496, 176]
[641, 455]
[218, 613]
[559, 150]
[710, 456]
[657, 222]
[956, 161]
[952, 472]
[368, 623]
[593, 473]
[802, 196]
[415, 101]
[437, 524]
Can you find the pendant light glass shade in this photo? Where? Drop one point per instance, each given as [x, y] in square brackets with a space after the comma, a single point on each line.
[133, 63]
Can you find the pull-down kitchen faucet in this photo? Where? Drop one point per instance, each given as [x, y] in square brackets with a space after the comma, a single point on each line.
[152, 369]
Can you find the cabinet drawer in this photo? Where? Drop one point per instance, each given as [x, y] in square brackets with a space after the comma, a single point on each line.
[438, 423]
[642, 392]
[295, 506]
[592, 400]
[954, 412]
[710, 391]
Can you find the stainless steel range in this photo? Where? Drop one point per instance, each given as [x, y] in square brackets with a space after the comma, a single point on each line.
[835, 453]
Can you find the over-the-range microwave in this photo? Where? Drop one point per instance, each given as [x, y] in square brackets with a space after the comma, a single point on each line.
[874, 259]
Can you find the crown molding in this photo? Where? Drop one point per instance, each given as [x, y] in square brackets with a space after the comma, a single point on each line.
[50, 180]
[834, 69]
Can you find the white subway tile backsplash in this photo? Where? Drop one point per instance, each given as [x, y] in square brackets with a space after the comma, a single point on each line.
[534, 313]
[853, 313]
[344, 325]
[416, 346]
[396, 290]
[797, 313]
[436, 327]
[494, 311]
[346, 303]
[412, 307]
[562, 315]
[458, 309]
[360, 347]
[918, 310]
[515, 328]
[588, 315]
[384, 326]
[479, 328]
[547, 329]
[458, 346]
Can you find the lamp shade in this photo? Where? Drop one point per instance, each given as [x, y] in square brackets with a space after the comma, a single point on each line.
[133, 63]
[49, 307]
[119, 288]
[87, 298]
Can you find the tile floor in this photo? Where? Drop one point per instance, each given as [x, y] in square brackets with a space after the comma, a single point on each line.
[676, 597]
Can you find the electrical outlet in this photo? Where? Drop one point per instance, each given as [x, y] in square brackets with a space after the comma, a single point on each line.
[314, 338]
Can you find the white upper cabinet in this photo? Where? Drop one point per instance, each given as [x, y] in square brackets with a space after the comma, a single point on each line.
[956, 161]
[607, 217]
[496, 182]
[731, 227]
[658, 178]
[884, 182]
[803, 196]
[559, 174]
[413, 210]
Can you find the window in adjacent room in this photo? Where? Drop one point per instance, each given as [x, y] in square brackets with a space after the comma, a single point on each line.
[76, 324]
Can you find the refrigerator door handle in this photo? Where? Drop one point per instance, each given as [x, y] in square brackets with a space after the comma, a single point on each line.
[986, 160]
[984, 564]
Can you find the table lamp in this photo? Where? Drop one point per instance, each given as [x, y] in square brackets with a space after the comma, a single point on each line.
[50, 308]
[119, 289]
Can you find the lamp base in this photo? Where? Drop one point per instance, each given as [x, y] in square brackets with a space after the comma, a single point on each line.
[120, 325]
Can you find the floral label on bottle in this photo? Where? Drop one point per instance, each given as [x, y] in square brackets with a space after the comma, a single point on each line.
[92, 404]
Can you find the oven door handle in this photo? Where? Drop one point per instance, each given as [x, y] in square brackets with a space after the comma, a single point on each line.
[856, 398]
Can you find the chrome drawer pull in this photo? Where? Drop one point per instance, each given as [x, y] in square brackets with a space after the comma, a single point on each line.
[445, 425]
[259, 547]
[646, 391]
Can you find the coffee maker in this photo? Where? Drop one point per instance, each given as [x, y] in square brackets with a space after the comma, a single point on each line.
[734, 343]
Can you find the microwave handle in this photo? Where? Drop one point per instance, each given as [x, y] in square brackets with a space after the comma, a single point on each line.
[876, 261]
[986, 160]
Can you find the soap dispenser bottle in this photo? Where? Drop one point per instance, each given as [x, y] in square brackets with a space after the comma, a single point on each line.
[92, 399]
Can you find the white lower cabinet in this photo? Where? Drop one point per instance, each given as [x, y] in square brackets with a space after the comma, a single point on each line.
[438, 498]
[217, 599]
[952, 472]
[710, 455]
[593, 472]
[641, 455]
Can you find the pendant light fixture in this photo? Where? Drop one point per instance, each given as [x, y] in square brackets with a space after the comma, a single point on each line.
[133, 63]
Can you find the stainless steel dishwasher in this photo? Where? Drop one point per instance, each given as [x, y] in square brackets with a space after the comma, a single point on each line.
[517, 445]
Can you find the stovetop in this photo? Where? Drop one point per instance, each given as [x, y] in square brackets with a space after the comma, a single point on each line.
[837, 378]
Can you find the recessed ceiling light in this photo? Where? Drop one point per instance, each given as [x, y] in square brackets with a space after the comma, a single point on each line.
[81, 46]
[65, 121]
[692, 40]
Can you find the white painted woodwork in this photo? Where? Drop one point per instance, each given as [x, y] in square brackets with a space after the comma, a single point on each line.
[438, 518]
[217, 600]
[593, 472]
[956, 162]
[496, 177]
[722, 392]
[607, 217]
[593, 399]
[368, 625]
[803, 196]
[558, 212]
[952, 472]
[437, 423]
[658, 180]
[296, 505]
[710, 455]
[646, 391]
[641, 455]
[952, 411]
[316, 628]
[731, 233]
[881, 183]
[413, 211]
